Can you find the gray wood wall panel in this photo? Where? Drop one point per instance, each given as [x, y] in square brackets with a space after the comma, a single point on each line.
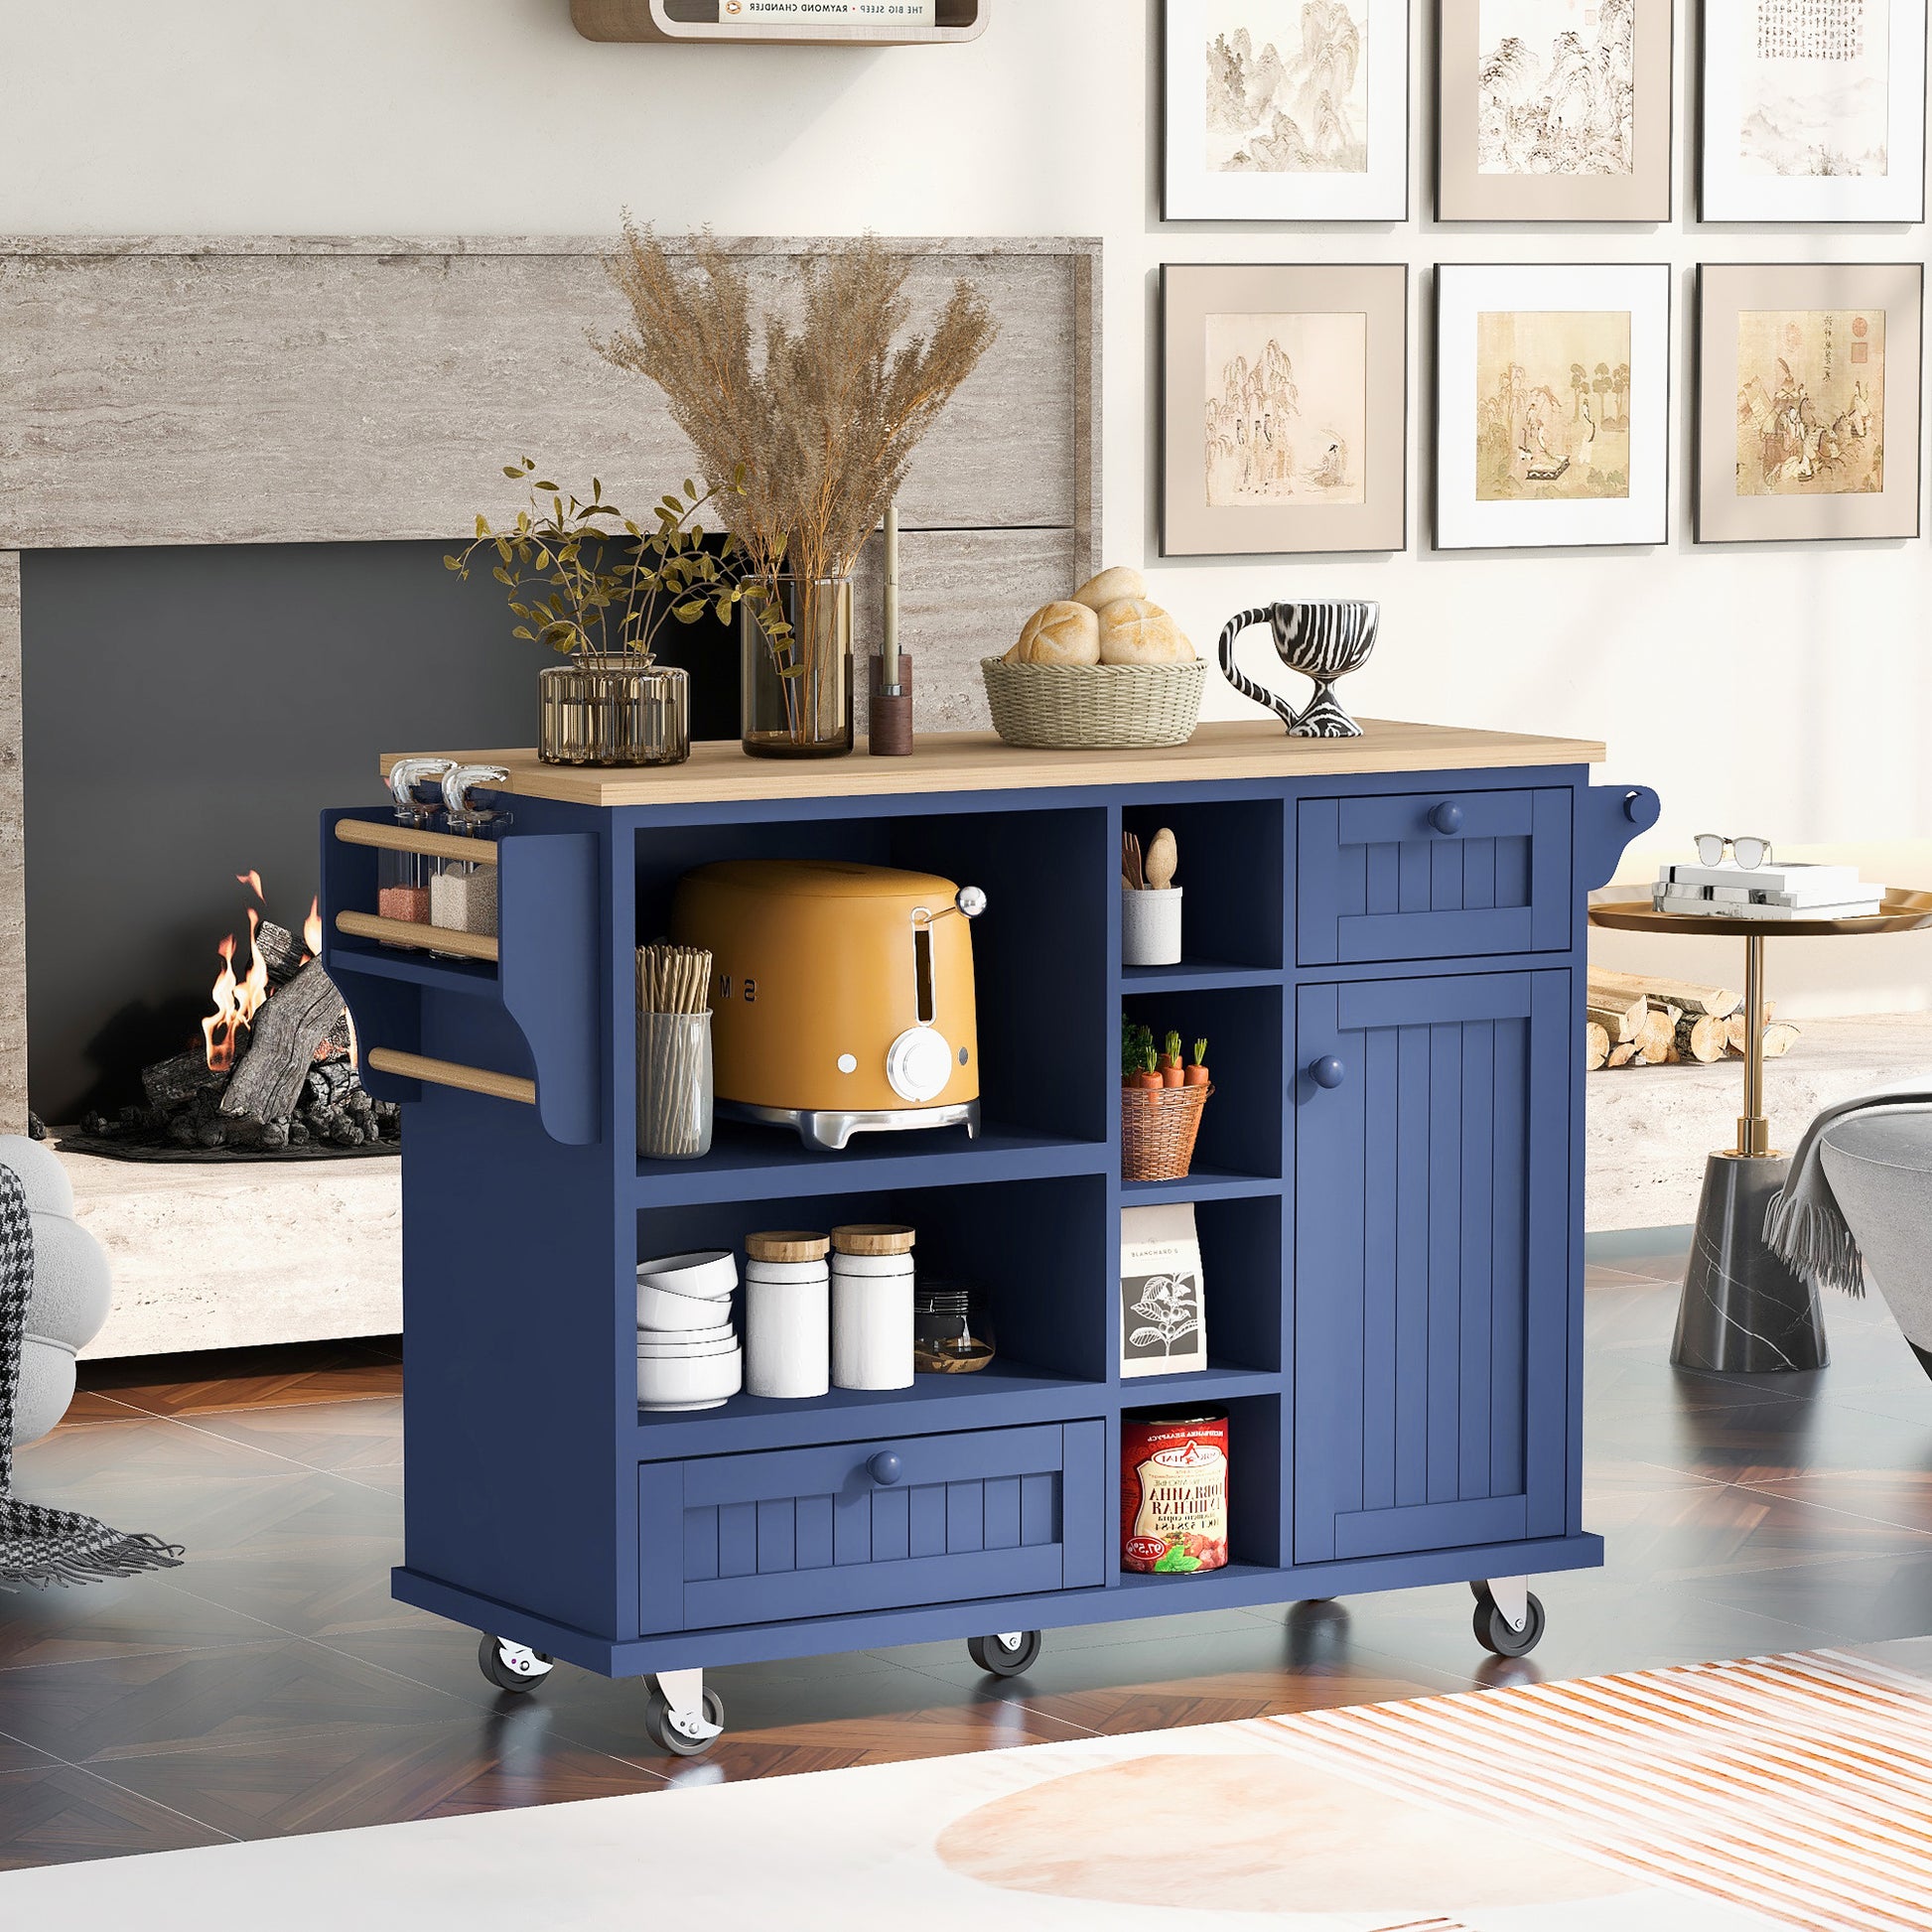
[13, 862]
[256, 392]
[963, 597]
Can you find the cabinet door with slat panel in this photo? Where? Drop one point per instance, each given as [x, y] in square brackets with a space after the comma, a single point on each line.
[1432, 1270]
[868, 1526]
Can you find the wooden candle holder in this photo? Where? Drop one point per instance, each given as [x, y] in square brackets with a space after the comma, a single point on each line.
[888, 720]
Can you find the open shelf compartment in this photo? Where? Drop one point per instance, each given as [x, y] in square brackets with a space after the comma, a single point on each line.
[1231, 881]
[1035, 1249]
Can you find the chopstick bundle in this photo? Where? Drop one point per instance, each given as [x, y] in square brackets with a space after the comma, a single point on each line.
[673, 1091]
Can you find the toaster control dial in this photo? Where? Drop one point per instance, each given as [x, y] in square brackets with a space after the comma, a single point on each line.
[919, 1063]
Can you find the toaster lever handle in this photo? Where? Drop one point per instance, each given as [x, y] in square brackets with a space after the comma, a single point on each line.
[969, 901]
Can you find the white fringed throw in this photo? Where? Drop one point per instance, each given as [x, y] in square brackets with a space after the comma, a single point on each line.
[40, 1546]
[1803, 1225]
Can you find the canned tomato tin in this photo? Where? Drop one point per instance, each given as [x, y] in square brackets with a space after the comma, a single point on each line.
[1174, 1490]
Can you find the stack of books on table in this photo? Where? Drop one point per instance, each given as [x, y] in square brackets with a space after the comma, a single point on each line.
[1769, 892]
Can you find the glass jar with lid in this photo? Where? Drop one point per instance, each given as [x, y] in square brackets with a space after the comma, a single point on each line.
[952, 1329]
[463, 891]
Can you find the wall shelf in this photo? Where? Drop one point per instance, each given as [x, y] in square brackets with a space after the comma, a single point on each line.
[700, 19]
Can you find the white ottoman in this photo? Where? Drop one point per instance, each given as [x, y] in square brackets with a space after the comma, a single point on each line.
[1879, 1165]
[72, 1290]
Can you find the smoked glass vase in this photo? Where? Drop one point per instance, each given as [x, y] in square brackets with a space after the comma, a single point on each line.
[795, 697]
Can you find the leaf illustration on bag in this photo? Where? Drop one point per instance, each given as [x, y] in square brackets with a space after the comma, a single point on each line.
[1168, 1303]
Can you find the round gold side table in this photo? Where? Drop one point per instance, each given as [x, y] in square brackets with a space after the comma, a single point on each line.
[1743, 1311]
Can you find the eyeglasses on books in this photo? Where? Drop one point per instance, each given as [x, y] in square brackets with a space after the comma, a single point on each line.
[1750, 852]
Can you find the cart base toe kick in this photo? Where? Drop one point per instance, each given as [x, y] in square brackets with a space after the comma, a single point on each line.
[1239, 1585]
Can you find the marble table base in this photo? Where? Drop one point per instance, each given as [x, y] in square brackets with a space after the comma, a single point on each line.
[1743, 1311]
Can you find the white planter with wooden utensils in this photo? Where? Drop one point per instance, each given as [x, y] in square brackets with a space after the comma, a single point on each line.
[1150, 902]
[1149, 926]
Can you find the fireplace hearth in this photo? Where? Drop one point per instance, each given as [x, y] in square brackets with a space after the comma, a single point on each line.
[273, 1076]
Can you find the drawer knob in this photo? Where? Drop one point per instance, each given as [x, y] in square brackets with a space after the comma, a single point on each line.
[1446, 818]
[885, 1468]
[1328, 1072]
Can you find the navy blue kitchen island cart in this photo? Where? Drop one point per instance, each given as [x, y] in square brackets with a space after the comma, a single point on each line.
[1384, 945]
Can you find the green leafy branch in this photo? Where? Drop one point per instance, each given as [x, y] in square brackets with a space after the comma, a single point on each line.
[585, 578]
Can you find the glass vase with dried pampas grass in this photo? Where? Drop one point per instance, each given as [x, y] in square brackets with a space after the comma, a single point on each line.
[814, 408]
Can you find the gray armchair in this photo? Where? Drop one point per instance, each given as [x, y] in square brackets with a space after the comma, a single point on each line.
[1879, 1165]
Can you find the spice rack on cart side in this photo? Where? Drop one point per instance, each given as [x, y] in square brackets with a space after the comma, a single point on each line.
[1404, 909]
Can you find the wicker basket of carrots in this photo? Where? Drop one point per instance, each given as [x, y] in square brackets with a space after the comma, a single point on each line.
[1162, 1099]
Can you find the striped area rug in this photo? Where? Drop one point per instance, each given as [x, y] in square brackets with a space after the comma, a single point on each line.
[1796, 1786]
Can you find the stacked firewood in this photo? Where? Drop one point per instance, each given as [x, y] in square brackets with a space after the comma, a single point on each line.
[1634, 1019]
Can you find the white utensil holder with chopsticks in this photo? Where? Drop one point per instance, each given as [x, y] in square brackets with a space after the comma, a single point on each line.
[676, 1090]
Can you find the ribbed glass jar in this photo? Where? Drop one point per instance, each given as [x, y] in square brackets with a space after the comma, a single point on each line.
[612, 708]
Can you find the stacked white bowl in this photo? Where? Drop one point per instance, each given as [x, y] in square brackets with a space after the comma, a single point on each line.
[688, 1355]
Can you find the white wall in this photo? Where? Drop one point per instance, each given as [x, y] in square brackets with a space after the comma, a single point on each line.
[1781, 690]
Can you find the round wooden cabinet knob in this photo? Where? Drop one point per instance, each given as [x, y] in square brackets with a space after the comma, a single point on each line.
[1446, 818]
[1327, 1072]
[885, 1468]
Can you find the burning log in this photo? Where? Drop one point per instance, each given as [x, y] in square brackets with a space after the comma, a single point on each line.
[283, 1036]
[280, 951]
[173, 1083]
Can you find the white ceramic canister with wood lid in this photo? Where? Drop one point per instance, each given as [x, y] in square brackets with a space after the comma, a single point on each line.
[787, 1315]
[871, 1308]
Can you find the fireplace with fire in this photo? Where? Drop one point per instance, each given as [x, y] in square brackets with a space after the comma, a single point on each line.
[273, 1074]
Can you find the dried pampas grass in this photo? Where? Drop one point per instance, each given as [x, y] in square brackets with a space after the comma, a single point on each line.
[810, 442]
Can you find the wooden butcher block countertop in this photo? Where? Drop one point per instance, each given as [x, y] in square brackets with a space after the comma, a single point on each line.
[719, 772]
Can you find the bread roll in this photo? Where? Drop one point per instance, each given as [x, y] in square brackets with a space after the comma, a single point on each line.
[1109, 587]
[1135, 631]
[1060, 633]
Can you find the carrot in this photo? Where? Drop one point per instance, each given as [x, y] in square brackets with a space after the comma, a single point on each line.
[1197, 1075]
[1173, 1075]
[1149, 1082]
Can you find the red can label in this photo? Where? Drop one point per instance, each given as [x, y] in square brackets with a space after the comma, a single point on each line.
[1173, 1495]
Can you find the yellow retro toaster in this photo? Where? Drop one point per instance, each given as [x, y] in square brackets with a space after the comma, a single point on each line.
[842, 994]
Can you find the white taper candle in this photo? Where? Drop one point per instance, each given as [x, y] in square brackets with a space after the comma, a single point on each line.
[890, 646]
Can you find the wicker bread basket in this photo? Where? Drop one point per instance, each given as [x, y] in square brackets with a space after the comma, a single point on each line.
[1093, 707]
[1157, 1125]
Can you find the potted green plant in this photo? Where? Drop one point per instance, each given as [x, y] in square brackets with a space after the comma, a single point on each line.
[818, 429]
[598, 586]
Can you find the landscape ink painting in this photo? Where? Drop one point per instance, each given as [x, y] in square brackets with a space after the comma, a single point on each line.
[1558, 87]
[1553, 404]
[1287, 86]
[1814, 86]
[1811, 403]
[1287, 409]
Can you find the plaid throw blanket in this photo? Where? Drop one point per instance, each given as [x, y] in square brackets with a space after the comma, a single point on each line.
[47, 1545]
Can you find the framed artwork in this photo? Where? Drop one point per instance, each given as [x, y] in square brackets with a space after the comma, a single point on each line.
[1552, 405]
[1807, 400]
[1285, 110]
[1283, 409]
[1555, 111]
[1812, 110]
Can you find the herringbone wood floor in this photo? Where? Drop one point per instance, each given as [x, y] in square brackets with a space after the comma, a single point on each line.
[271, 1685]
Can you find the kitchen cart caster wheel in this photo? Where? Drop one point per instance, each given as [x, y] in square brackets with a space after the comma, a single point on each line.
[1007, 1655]
[513, 1666]
[683, 1733]
[1493, 1632]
